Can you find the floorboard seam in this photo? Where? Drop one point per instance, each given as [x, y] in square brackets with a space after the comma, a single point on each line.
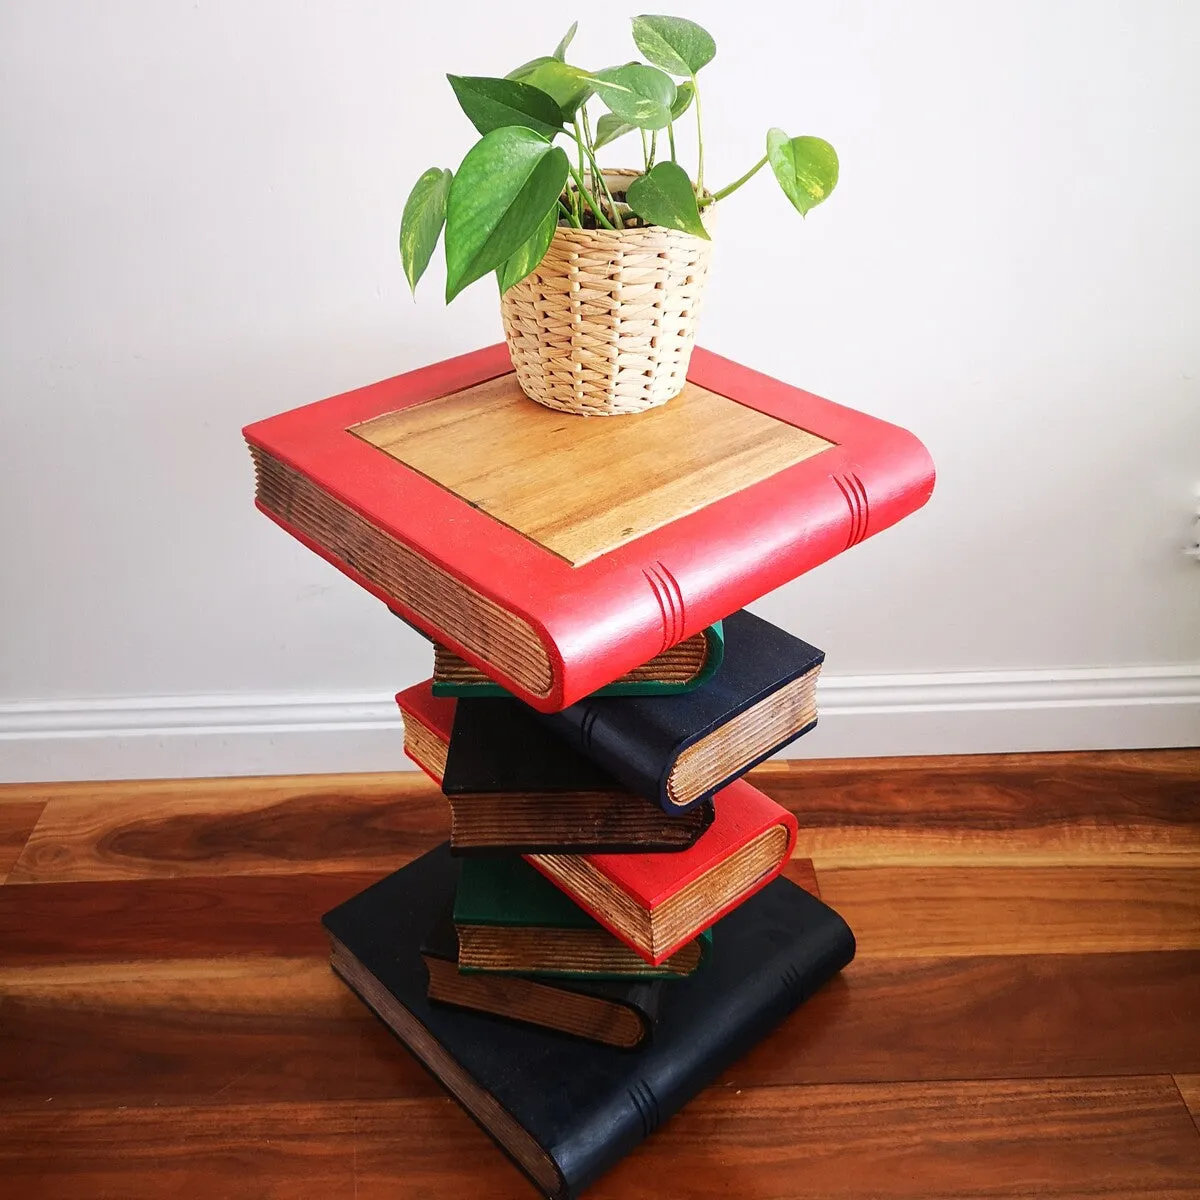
[1187, 1107]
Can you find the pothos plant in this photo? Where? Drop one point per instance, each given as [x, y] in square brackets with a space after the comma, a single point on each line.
[516, 185]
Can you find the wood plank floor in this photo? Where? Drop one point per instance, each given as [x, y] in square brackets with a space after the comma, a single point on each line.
[1022, 1019]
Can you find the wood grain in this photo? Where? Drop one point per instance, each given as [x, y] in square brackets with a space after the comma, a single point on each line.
[583, 488]
[1107, 1137]
[1189, 1089]
[1023, 1017]
[425, 1148]
[278, 915]
[158, 831]
[680, 663]
[191, 1031]
[394, 569]
[1110, 1137]
[941, 911]
[745, 738]
[1029, 809]
[990, 1017]
[802, 872]
[17, 821]
[978, 810]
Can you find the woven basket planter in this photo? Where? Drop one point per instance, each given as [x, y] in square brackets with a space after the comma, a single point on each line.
[606, 322]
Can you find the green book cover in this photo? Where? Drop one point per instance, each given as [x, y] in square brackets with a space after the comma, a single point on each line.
[504, 890]
[713, 635]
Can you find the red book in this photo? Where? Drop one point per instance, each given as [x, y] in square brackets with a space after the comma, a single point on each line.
[428, 724]
[655, 903]
[556, 553]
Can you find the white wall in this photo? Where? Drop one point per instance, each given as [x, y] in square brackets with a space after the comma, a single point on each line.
[198, 224]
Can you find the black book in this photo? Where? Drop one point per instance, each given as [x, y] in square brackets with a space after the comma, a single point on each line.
[514, 787]
[679, 750]
[618, 1013]
[566, 1110]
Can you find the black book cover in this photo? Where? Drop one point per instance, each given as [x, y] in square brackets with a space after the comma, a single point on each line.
[643, 997]
[563, 1109]
[498, 748]
[639, 739]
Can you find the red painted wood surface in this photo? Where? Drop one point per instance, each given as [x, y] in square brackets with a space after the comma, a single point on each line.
[656, 590]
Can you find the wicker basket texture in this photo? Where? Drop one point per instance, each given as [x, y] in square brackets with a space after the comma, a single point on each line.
[605, 324]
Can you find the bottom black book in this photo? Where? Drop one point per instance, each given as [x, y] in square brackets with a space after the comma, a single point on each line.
[564, 1110]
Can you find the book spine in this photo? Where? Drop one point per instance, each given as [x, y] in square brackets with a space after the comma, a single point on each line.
[639, 687]
[638, 764]
[670, 1079]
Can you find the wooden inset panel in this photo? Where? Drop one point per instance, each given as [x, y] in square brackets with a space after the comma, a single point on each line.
[582, 486]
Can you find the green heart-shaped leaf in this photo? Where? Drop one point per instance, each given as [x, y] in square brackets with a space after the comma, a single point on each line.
[638, 94]
[421, 225]
[510, 179]
[665, 196]
[518, 265]
[494, 103]
[685, 93]
[560, 51]
[675, 44]
[567, 86]
[609, 128]
[806, 168]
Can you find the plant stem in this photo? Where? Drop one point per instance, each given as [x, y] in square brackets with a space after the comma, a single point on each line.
[645, 151]
[569, 213]
[699, 139]
[653, 148]
[597, 174]
[578, 195]
[612, 204]
[733, 187]
[671, 138]
[597, 212]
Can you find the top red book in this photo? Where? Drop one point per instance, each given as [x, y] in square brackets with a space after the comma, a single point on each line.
[557, 552]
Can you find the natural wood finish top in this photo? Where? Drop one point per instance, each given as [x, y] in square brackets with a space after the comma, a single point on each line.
[581, 487]
[169, 1024]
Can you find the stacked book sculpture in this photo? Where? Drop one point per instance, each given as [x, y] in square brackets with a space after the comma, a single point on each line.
[607, 928]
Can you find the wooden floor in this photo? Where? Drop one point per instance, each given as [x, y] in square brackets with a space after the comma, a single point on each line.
[1022, 1019]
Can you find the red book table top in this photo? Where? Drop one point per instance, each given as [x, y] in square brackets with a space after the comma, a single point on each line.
[555, 552]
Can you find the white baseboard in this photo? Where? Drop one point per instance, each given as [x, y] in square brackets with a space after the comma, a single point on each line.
[865, 715]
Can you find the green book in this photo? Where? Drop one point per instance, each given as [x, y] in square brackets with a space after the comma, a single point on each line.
[510, 920]
[682, 668]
